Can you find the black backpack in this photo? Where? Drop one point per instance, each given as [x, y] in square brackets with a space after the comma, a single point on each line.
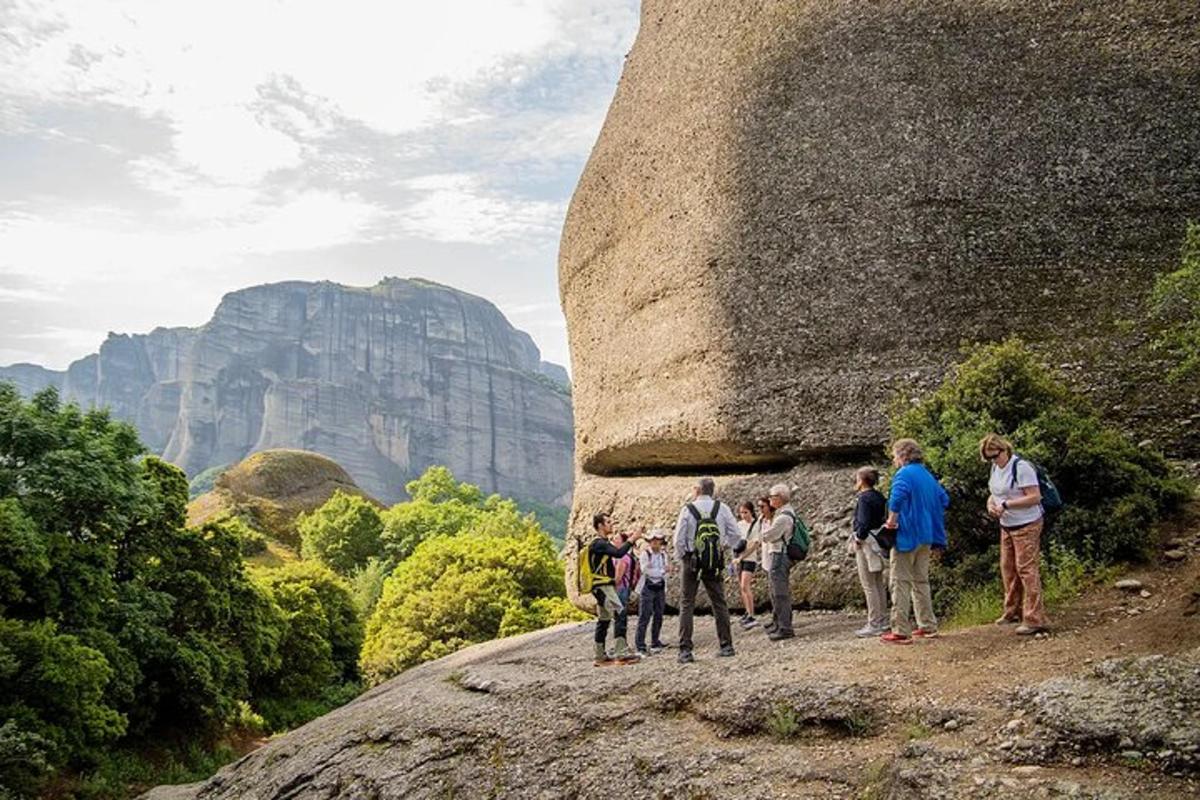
[710, 559]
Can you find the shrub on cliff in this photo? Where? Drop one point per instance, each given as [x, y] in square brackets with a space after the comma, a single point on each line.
[1175, 310]
[343, 534]
[1114, 489]
[456, 590]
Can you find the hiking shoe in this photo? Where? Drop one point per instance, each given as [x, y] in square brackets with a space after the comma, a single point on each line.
[629, 658]
[895, 638]
[749, 622]
[922, 633]
[607, 661]
[769, 627]
[642, 653]
[869, 632]
[1007, 621]
[659, 646]
[1029, 630]
[656, 649]
[685, 657]
[726, 652]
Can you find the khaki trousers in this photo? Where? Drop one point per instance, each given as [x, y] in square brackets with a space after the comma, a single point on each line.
[873, 589]
[910, 586]
[1020, 553]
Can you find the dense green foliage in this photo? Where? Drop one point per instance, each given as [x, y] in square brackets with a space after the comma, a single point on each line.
[499, 574]
[1175, 310]
[440, 505]
[343, 534]
[1114, 489]
[120, 625]
[123, 631]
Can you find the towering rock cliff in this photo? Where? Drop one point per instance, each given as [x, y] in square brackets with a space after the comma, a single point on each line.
[795, 208]
[386, 381]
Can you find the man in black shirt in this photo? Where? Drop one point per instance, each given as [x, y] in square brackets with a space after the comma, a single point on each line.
[602, 557]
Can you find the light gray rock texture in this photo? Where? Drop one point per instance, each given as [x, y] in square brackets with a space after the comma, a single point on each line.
[385, 380]
[795, 209]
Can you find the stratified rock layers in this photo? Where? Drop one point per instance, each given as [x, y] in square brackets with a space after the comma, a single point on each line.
[795, 208]
[386, 381]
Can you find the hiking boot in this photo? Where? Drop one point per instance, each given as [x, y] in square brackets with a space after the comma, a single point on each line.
[726, 652]
[604, 661]
[749, 622]
[769, 627]
[655, 649]
[1029, 630]
[1007, 621]
[895, 638]
[629, 658]
[659, 646]
[642, 652]
[869, 632]
[685, 657]
[922, 633]
[779, 636]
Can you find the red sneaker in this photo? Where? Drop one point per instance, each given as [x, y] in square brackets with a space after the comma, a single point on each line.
[921, 633]
[895, 638]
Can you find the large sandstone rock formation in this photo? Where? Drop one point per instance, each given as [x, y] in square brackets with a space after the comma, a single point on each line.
[385, 380]
[795, 208]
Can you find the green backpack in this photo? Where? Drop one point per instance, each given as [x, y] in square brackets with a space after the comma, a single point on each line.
[710, 559]
[797, 546]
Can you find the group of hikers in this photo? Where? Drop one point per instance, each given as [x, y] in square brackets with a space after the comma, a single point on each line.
[896, 537]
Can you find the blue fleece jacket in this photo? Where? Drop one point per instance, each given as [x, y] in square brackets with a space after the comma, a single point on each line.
[920, 501]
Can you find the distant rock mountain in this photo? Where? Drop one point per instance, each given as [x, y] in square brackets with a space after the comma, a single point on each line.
[386, 381]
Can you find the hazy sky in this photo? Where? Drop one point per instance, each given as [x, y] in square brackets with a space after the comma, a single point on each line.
[156, 155]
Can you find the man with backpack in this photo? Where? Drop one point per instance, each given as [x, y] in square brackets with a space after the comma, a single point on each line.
[600, 572]
[779, 570]
[706, 526]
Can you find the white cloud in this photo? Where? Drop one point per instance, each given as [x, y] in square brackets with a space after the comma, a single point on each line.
[455, 208]
[291, 127]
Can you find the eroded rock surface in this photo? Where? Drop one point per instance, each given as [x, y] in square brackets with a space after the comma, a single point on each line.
[385, 380]
[794, 206]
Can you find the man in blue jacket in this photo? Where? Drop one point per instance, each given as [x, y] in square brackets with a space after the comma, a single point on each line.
[917, 508]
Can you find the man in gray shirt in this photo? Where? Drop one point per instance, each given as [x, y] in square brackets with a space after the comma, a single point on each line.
[703, 507]
[780, 567]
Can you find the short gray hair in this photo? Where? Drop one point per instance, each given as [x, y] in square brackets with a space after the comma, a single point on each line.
[707, 486]
[908, 451]
[782, 491]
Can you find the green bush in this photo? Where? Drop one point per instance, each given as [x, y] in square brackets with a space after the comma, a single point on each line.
[1115, 491]
[343, 534]
[458, 590]
[322, 632]
[1175, 310]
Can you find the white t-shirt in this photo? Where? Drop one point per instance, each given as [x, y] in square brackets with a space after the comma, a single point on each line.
[1002, 487]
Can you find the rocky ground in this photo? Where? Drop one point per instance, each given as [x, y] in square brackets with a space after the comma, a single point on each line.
[1108, 706]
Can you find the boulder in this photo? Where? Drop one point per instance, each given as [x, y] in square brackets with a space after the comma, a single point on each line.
[795, 209]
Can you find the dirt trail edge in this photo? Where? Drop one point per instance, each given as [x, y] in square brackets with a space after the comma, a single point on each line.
[1106, 707]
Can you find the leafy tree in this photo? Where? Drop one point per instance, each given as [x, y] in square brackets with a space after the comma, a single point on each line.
[343, 534]
[455, 590]
[1114, 489]
[1175, 310]
[440, 505]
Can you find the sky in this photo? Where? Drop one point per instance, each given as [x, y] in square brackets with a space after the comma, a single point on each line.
[157, 155]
